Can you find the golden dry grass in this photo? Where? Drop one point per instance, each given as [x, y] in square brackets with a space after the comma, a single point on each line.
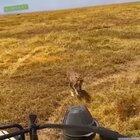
[100, 42]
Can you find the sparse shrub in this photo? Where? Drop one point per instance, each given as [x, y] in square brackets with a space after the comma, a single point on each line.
[127, 106]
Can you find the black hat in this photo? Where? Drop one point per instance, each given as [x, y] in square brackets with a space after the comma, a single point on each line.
[79, 115]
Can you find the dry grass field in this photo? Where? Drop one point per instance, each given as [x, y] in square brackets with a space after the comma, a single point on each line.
[102, 43]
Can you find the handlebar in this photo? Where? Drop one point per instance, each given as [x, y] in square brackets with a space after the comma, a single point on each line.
[108, 134]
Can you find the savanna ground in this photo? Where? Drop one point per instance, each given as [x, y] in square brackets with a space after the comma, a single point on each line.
[100, 42]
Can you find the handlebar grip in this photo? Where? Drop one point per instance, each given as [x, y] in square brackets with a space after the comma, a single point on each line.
[106, 134]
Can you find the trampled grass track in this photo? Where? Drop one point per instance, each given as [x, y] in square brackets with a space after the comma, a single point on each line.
[100, 42]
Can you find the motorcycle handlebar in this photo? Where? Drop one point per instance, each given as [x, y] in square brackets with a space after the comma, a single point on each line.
[103, 132]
